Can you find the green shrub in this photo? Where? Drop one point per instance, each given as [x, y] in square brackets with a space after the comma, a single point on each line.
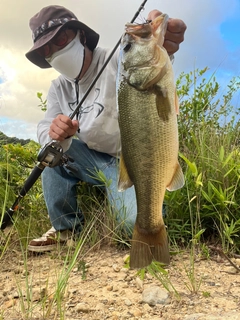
[209, 138]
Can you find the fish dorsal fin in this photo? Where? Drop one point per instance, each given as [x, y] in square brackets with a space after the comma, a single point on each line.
[177, 181]
[124, 181]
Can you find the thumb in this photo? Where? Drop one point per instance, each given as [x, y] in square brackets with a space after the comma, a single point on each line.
[153, 14]
[75, 124]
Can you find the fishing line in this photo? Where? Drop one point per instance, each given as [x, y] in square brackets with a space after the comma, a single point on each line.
[76, 111]
[52, 155]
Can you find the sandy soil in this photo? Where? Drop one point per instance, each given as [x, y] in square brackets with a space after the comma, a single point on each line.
[99, 286]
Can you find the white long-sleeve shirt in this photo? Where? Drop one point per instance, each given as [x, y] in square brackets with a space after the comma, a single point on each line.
[98, 118]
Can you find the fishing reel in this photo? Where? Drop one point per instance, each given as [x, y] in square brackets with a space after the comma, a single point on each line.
[51, 155]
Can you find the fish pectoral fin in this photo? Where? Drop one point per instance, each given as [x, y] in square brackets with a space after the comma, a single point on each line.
[124, 181]
[146, 247]
[177, 181]
[163, 105]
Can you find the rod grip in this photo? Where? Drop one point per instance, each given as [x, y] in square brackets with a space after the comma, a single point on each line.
[7, 218]
[34, 175]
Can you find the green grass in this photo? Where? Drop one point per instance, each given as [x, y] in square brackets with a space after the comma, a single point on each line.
[206, 211]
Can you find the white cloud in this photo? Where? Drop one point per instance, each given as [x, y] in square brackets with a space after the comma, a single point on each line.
[25, 130]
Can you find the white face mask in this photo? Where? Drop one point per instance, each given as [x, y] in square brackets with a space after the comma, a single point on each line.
[69, 60]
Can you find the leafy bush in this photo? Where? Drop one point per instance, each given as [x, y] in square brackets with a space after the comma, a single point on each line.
[207, 207]
[16, 164]
[209, 138]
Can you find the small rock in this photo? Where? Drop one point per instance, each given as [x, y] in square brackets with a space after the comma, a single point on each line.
[15, 294]
[25, 273]
[109, 288]
[39, 294]
[115, 315]
[154, 295]
[137, 313]
[111, 308]
[147, 307]
[9, 303]
[115, 288]
[100, 306]
[237, 261]
[128, 277]
[211, 283]
[104, 301]
[82, 307]
[139, 283]
[115, 267]
[148, 276]
[231, 270]
[128, 302]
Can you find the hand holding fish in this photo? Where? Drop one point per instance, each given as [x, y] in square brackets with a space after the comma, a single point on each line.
[174, 34]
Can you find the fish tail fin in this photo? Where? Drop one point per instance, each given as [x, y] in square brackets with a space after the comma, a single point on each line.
[146, 247]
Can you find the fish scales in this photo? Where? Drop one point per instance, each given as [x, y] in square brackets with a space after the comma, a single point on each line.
[149, 136]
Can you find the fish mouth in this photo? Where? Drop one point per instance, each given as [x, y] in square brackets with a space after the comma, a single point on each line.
[150, 36]
[139, 30]
[146, 30]
[134, 34]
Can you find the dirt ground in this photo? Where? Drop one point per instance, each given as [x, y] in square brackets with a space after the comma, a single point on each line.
[100, 287]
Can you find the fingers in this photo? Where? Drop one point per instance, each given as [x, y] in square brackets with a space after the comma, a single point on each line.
[176, 26]
[174, 34]
[62, 127]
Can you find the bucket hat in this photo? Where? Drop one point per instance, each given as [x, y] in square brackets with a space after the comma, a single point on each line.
[46, 24]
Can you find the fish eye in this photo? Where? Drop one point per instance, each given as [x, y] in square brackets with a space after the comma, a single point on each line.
[127, 47]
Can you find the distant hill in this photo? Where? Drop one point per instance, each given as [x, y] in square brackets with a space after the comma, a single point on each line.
[7, 140]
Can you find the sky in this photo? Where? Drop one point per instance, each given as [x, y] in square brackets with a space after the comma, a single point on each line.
[212, 40]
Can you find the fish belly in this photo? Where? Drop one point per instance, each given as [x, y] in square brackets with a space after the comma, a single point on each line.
[149, 150]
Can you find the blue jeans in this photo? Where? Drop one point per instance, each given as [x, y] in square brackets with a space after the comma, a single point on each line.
[60, 188]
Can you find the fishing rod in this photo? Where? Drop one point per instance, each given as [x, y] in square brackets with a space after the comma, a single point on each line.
[104, 65]
[51, 154]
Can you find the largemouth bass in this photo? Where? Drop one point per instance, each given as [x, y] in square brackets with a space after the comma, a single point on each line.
[148, 107]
